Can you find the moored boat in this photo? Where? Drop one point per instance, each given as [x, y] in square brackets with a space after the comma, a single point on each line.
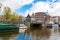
[6, 27]
[22, 28]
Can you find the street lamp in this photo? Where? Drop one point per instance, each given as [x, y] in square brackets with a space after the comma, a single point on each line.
[0, 10]
[0, 5]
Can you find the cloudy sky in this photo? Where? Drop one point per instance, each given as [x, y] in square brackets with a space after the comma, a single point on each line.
[24, 7]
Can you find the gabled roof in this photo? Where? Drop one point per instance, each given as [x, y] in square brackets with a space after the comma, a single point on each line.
[28, 16]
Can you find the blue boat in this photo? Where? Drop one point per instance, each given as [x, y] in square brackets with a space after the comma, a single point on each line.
[56, 22]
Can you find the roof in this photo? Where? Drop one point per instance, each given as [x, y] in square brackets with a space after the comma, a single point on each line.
[28, 16]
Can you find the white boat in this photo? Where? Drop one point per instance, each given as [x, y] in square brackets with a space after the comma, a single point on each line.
[22, 28]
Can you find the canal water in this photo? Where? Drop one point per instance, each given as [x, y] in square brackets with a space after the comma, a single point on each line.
[44, 34]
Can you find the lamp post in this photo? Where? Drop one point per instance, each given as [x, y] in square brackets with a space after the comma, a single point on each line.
[0, 10]
[0, 5]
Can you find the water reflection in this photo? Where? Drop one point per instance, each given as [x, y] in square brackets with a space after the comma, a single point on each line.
[43, 34]
[7, 35]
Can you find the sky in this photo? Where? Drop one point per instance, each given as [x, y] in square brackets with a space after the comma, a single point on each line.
[25, 7]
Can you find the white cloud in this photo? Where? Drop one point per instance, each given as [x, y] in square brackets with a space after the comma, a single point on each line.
[37, 7]
[2, 0]
[43, 7]
[56, 10]
[14, 4]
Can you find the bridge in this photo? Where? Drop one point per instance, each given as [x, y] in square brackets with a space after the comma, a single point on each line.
[35, 25]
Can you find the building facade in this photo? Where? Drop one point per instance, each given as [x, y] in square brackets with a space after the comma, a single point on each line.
[33, 17]
[41, 17]
[55, 19]
[28, 18]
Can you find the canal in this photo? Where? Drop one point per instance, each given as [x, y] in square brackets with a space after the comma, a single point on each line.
[43, 34]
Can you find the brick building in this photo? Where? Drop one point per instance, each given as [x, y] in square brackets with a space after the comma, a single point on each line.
[41, 17]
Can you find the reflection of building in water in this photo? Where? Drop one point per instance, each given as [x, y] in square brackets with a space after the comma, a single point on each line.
[59, 30]
[39, 34]
[7, 35]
